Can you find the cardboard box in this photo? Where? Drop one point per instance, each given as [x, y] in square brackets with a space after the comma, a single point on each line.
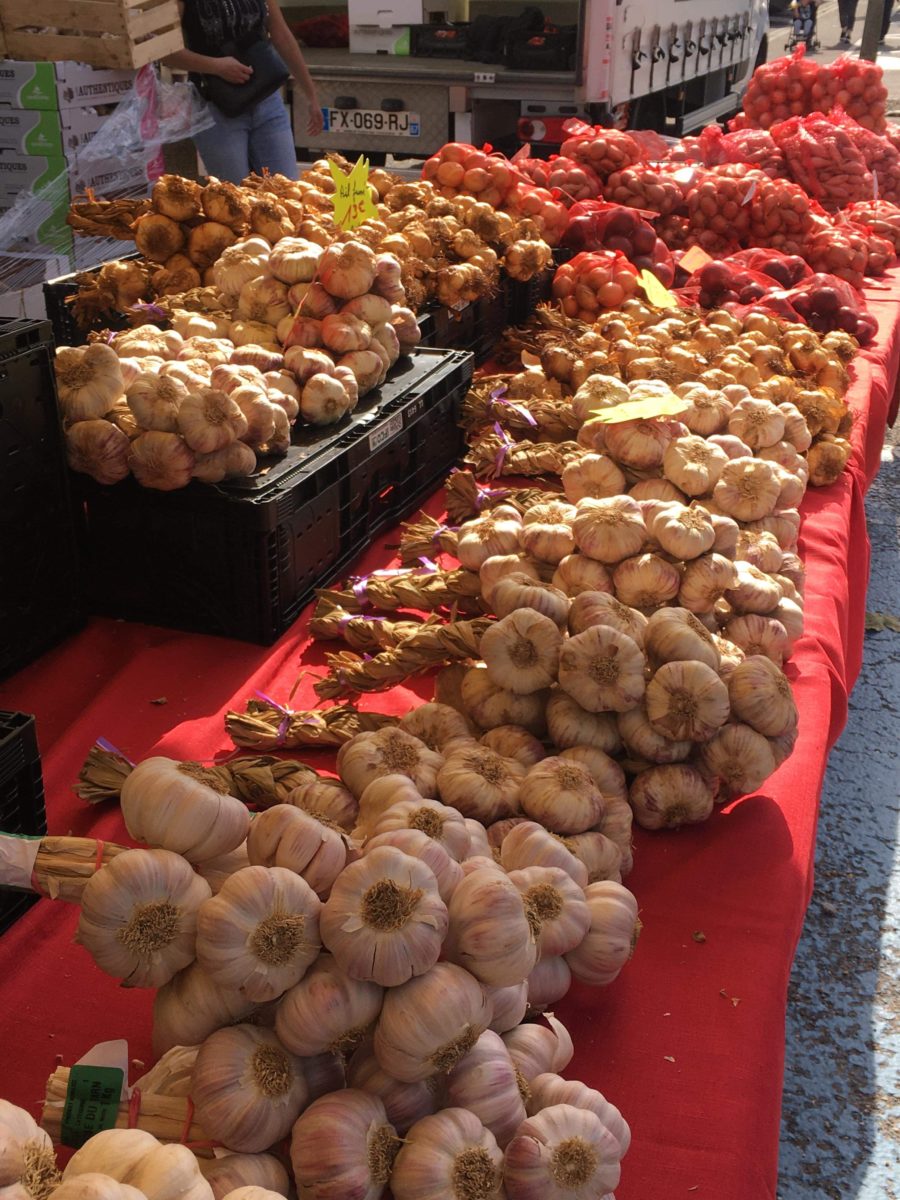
[48, 132]
[372, 39]
[26, 172]
[110, 177]
[50, 86]
[385, 13]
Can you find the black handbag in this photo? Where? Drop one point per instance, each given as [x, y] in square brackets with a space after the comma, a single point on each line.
[269, 73]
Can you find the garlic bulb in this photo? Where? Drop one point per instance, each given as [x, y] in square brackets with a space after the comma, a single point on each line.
[344, 1145]
[139, 916]
[605, 772]
[155, 401]
[510, 1005]
[598, 392]
[597, 608]
[491, 933]
[438, 821]
[548, 983]
[388, 751]
[516, 589]
[327, 800]
[705, 580]
[485, 1083]
[224, 1175]
[512, 741]
[294, 260]
[439, 726]
[576, 573]
[191, 1006]
[592, 475]
[546, 533]
[761, 697]
[404, 1103]
[568, 724]
[418, 845]
[555, 906]
[93, 1186]
[384, 920]
[493, 569]
[603, 670]
[759, 635]
[675, 634]
[612, 935]
[284, 836]
[136, 1158]
[99, 449]
[428, 1024]
[28, 1168]
[260, 933]
[709, 409]
[644, 742]
[747, 489]
[560, 1153]
[646, 581]
[740, 758]
[497, 532]
[180, 806]
[536, 1048]
[530, 845]
[683, 532]
[753, 590]
[380, 795]
[209, 420]
[609, 530]
[490, 705]
[687, 701]
[247, 1087]
[550, 1089]
[561, 795]
[148, 341]
[760, 550]
[449, 1155]
[693, 465]
[327, 1011]
[656, 489]
[521, 651]
[640, 444]
[161, 460]
[758, 423]
[601, 855]
[668, 796]
[88, 381]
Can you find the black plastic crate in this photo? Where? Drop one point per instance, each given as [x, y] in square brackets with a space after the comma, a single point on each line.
[476, 328]
[21, 798]
[242, 559]
[39, 523]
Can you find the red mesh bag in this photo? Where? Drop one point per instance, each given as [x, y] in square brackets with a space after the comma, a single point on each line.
[719, 206]
[653, 146]
[779, 208]
[542, 207]
[596, 225]
[778, 90]
[673, 230]
[643, 187]
[881, 217]
[880, 253]
[880, 155]
[856, 86]
[754, 147]
[785, 270]
[574, 180]
[603, 150]
[825, 303]
[723, 282]
[823, 158]
[840, 252]
[593, 282]
[459, 167]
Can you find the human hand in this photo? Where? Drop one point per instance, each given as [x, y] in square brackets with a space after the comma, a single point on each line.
[315, 121]
[233, 71]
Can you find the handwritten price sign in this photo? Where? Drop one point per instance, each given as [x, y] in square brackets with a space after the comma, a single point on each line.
[352, 198]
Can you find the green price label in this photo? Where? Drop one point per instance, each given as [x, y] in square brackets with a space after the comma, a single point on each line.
[92, 1103]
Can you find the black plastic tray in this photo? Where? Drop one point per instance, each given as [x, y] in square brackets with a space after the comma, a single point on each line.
[21, 798]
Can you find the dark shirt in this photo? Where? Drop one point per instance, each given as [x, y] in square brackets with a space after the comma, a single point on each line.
[220, 27]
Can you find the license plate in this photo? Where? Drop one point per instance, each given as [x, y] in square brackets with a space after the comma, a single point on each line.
[371, 120]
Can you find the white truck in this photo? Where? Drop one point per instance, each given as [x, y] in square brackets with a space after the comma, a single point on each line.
[669, 65]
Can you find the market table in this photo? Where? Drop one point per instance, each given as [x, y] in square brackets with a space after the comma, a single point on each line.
[689, 1041]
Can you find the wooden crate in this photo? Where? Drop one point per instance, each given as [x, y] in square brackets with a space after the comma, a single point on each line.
[103, 33]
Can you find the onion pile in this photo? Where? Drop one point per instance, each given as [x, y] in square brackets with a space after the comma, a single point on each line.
[575, 180]
[797, 85]
[604, 151]
[594, 281]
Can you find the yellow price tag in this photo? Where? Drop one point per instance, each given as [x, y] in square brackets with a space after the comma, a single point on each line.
[352, 198]
[643, 410]
[658, 296]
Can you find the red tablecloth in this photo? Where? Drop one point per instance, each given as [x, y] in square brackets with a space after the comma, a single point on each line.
[689, 1041]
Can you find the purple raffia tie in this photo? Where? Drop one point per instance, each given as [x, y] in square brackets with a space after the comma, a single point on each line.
[111, 749]
[285, 722]
[428, 563]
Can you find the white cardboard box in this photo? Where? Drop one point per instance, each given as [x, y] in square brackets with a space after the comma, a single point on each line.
[371, 39]
[60, 85]
[385, 13]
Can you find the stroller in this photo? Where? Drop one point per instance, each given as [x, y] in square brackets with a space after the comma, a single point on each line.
[803, 30]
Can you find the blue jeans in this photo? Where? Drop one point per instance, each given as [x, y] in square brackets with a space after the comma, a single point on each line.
[259, 138]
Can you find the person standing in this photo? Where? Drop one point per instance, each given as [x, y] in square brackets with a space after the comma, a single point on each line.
[847, 11]
[255, 133]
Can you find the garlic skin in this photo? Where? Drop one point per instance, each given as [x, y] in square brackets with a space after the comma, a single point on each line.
[131, 1156]
[260, 933]
[747, 489]
[759, 636]
[247, 1087]
[740, 758]
[561, 1153]
[510, 1005]
[675, 635]
[693, 465]
[530, 845]
[555, 906]
[550, 1089]
[382, 794]
[490, 932]
[516, 589]
[28, 1168]
[568, 724]
[753, 590]
[480, 784]
[705, 580]
[191, 1006]
[155, 400]
[439, 726]
[593, 475]
[669, 796]
[326, 800]
[548, 983]
[493, 569]
[644, 741]
[139, 916]
[602, 670]
[600, 854]
[88, 381]
[646, 581]
[89, 1186]
[497, 532]
[405, 1103]
[512, 741]
[449, 1155]
[561, 795]
[343, 1145]
[596, 608]
[428, 1024]
[575, 574]
[284, 836]
[327, 1011]
[484, 1083]
[99, 449]
[536, 1048]
[686, 701]
[490, 705]
[384, 920]
[224, 1175]
[521, 651]
[609, 530]
[761, 697]
[611, 938]
[388, 751]
[683, 532]
[444, 824]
